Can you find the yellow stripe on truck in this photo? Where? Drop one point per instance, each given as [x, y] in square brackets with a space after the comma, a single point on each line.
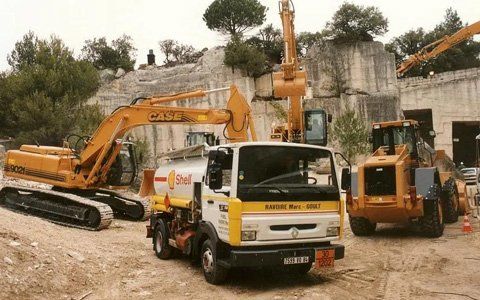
[290, 207]
[234, 221]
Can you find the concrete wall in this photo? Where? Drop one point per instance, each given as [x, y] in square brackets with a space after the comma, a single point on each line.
[452, 96]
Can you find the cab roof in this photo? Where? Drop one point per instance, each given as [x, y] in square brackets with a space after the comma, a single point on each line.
[397, 123]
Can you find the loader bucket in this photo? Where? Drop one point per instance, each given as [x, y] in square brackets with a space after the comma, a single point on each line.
[147, 189]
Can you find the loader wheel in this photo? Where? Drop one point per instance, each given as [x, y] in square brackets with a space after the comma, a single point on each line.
[214, 273]
[451, 207]
[432, 222]
[163, 250]
[361, 226]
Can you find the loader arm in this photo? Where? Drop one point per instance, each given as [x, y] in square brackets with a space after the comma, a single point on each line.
[436, 48]
[102, 149]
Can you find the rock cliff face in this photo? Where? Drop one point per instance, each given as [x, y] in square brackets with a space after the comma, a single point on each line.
[361, 76]
[209, 73]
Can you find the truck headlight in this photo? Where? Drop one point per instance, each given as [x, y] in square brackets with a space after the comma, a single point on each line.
[333, 231]
[249, 235]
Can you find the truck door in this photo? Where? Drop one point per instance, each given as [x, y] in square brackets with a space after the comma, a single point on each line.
[215, 202]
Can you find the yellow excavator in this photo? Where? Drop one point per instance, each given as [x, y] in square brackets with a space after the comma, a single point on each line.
[436, 48]
[86, 183]
[303, 126]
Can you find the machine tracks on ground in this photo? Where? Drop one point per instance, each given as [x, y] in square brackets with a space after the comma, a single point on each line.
[129, 207]
[58, 207]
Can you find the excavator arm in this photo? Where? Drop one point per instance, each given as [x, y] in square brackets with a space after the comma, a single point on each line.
[434, 49]
[290, 81]
[101, 150]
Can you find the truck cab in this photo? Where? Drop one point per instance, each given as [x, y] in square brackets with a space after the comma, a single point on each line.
[250, 205]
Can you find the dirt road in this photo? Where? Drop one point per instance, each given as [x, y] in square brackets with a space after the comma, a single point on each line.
[40, 260]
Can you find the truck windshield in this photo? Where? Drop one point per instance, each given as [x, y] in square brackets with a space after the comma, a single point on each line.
[279, 173]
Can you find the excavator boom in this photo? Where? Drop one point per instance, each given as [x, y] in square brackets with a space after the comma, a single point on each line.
[436, 48]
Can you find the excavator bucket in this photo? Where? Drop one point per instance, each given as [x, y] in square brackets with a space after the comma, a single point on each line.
[297, 86]
[147, 189]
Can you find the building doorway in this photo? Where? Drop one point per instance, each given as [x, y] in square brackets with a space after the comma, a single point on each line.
[463, 140]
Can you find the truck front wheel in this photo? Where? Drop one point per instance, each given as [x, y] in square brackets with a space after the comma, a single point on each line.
[361, 226]
[432, 222]
[160, 241]
[214, 273]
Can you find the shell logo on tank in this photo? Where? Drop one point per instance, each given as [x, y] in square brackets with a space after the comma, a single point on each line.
[171, 179]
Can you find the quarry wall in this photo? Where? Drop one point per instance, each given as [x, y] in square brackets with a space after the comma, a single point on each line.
[361, 76]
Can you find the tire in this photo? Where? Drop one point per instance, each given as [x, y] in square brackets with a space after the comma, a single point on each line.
[432, 222]
[301, 269]
[214, 273]
[162, 248]
[361, 226]
[451, 205]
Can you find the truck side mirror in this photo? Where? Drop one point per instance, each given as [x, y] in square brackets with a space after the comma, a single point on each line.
[215, 177]
[329, 118]
[346, 179]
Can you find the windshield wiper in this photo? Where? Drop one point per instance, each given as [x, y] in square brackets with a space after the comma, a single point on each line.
[283, 192]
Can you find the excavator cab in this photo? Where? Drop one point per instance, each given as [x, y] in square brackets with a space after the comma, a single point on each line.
[201, 137]
[124, 169]
[316, 121]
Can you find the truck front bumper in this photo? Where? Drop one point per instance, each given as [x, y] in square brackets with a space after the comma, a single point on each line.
[275, 257]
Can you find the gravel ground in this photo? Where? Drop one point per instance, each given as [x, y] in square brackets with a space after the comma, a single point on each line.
[40, 260]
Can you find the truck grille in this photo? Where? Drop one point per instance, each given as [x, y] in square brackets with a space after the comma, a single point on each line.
[380, 181]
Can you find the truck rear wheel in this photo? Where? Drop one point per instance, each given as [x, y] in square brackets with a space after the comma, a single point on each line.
[361, 226]
[451, 206]
[213, 272]
[432, 222]
[163, 250]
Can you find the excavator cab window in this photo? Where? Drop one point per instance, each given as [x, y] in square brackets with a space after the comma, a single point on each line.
[200, 138]
[124, 169]
[316, 127]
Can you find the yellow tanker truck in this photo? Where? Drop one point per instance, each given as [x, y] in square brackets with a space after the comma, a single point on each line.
[249, 204]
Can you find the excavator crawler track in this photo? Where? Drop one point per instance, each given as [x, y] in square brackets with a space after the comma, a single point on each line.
[58, 207]
[124, 207]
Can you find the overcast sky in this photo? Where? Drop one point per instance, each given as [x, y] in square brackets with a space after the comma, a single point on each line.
[148, 21]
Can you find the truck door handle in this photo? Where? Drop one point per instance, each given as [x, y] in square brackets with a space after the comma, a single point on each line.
[210, 201]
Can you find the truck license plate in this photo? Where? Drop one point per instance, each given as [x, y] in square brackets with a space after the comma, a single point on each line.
[295, 260]
[324, 258]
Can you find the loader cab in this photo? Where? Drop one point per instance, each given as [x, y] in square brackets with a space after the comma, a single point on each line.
[391, 134]
[316, 121]
[124, 170]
